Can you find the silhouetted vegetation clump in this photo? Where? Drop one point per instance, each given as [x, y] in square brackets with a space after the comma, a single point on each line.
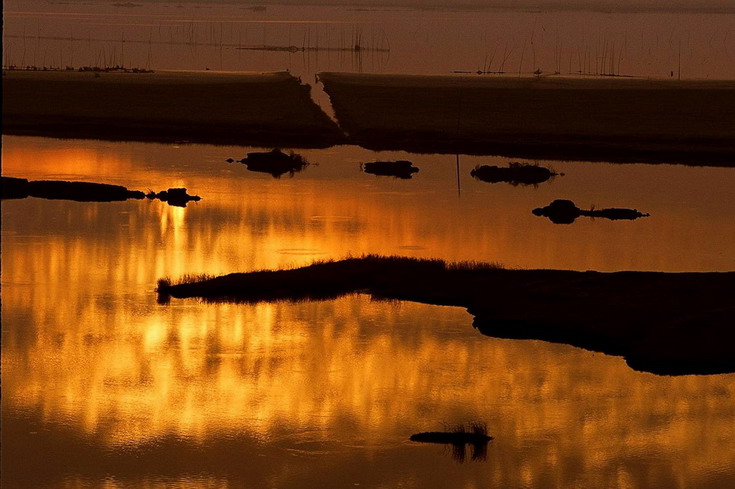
[516, 174]
[563, 211]
[174, 196]
[667, 323]
[275, 162]
[399, 169]
[474, 434]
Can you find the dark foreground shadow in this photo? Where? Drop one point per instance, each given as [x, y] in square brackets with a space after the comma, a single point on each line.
[274, 162]
[566, 212]
[21, 188]
[665, 323]
[475, 435]
[515, 174]
[399, 169]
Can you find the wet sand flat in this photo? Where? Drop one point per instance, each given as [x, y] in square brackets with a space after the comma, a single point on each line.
[268, 108]
[620, 119]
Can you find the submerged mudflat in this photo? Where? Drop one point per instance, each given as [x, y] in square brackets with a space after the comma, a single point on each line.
[622, 119]
[666, 323]
[242, 108]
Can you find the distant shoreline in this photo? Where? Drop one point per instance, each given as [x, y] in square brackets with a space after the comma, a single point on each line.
[554, 117]
[208, 107]
[548, 117]
[664, 323]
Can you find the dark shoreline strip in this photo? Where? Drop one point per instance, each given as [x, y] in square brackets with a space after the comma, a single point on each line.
[665, 323]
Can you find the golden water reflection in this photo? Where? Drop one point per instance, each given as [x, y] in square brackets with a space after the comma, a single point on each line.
[102, 387]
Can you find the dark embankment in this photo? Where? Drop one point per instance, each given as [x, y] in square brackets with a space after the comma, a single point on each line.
[20, 188]
[542, 117]
[272, 109]
[666, 323]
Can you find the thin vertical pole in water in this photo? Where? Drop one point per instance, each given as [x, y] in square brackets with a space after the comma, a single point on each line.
[459, 189]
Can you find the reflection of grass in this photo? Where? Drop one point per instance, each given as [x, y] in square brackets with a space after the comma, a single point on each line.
[662, 322]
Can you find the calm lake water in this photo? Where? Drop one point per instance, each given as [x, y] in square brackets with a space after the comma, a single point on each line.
[105, 388]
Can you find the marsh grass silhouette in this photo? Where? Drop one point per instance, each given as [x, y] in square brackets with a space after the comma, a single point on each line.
[474, 434]
[566, 212]
[400, 169]
[275, 162]
[515, 174]
[665, 323]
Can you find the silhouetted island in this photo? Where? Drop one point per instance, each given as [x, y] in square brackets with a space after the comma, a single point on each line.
[515, 174]
[474, 435]
[174, 196]
[666, 323]
[400, 169]
[21, 188]
[566, 212]
[275, 162]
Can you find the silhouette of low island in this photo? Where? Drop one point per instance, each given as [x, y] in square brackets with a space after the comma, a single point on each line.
[274, 162]
[400, 169]
[665, 323]
[174, 196]
[475, 435]
[21, 188]
[566, 212]
[515, 174]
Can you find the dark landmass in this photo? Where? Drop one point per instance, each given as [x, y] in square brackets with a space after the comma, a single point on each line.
[174, 196]
[566, 212]
[665, 323]
[272, 109]
[399, 169]
[619, 120]
[275, 162]
[515, 174]
[20, 188]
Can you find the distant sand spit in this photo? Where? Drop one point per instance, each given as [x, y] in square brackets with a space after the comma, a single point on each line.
[230, 108]
[620, 119]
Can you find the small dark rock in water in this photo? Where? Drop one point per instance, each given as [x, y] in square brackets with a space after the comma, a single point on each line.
[18, 188]
[230, 160]
[399, 169]
[275, 162]
[515, 174]
[566, 212]
[174, 196]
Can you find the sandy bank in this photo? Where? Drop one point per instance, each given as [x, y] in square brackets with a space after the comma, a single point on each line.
[233, 108]
[546, 117]
[666, 323]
